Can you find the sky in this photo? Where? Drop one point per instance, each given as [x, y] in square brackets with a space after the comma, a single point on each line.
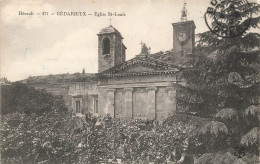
[51, 44]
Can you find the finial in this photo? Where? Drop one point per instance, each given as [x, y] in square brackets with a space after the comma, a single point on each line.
[110, 21]
[144, 50]
[184, 12]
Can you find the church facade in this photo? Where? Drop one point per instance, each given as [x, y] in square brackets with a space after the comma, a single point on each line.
[142, 87]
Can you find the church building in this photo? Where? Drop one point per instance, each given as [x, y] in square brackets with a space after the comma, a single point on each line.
[142, 87]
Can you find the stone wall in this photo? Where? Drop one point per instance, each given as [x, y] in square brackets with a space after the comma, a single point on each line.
[188, 46]
[58, 89]
[59, 84]
[144, 97]
[140, 103]
[106, 61]
[120, 108]
[137, 102]
[117, 52]
[86, 93]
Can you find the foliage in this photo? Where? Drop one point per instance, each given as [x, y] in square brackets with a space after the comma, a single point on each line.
[252, 137]
[210, 137]
[4, 80]
[246, 15]
[227, 113]
[34, 138]
[215, 62]
[253, 110]
[32, 126]
[213, 127]
[59, 137]
[227, 156]
[132, 141]
[19, 97]
[222, 83]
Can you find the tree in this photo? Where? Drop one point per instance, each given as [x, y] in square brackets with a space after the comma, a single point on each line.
[19, 97]
[222, 77]
[32, 138]
[34, 127]
[4, 80]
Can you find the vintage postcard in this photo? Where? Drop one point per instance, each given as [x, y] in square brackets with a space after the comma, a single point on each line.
[130, 81]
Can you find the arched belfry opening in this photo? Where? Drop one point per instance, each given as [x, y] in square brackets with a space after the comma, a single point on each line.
[106, 46]
[111, 50]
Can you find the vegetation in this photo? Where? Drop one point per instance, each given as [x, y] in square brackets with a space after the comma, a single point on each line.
[19, 97]
[223, 84]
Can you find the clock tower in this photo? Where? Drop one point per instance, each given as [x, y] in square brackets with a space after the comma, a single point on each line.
[183, 35]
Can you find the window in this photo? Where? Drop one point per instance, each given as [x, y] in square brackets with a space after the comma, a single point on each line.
[77, 106]
[106, 46]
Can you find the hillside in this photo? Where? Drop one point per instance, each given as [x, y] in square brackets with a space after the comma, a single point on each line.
[58, 84]
[59, 78]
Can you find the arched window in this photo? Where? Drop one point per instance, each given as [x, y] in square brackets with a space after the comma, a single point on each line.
[106, 46]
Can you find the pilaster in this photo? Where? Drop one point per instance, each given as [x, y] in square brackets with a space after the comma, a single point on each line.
[171, 99]
[128, 102]
[151, 102]
[111, 102]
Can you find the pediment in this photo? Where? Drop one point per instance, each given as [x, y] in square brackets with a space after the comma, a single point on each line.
[138, 68]
[139, 65]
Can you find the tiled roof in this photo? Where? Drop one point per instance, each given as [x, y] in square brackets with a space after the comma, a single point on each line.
[171, 58]
[110, 29]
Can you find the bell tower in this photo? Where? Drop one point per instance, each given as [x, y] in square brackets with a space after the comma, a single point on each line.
[183, 35]
[111, 50]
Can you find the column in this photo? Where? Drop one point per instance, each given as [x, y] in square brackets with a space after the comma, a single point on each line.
[111, 102]
[128, 103]
[171, 99]
[151, 102]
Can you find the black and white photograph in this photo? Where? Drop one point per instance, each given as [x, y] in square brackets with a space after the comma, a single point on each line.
[130, 81]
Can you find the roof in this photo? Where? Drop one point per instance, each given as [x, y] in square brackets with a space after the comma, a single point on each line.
[160, 67]
[124, 46]
[171, 58]
[109, 30]
[60, 78]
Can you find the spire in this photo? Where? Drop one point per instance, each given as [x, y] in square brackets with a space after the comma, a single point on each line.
[184, 12]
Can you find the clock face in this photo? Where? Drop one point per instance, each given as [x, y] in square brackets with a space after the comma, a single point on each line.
[182, 36]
